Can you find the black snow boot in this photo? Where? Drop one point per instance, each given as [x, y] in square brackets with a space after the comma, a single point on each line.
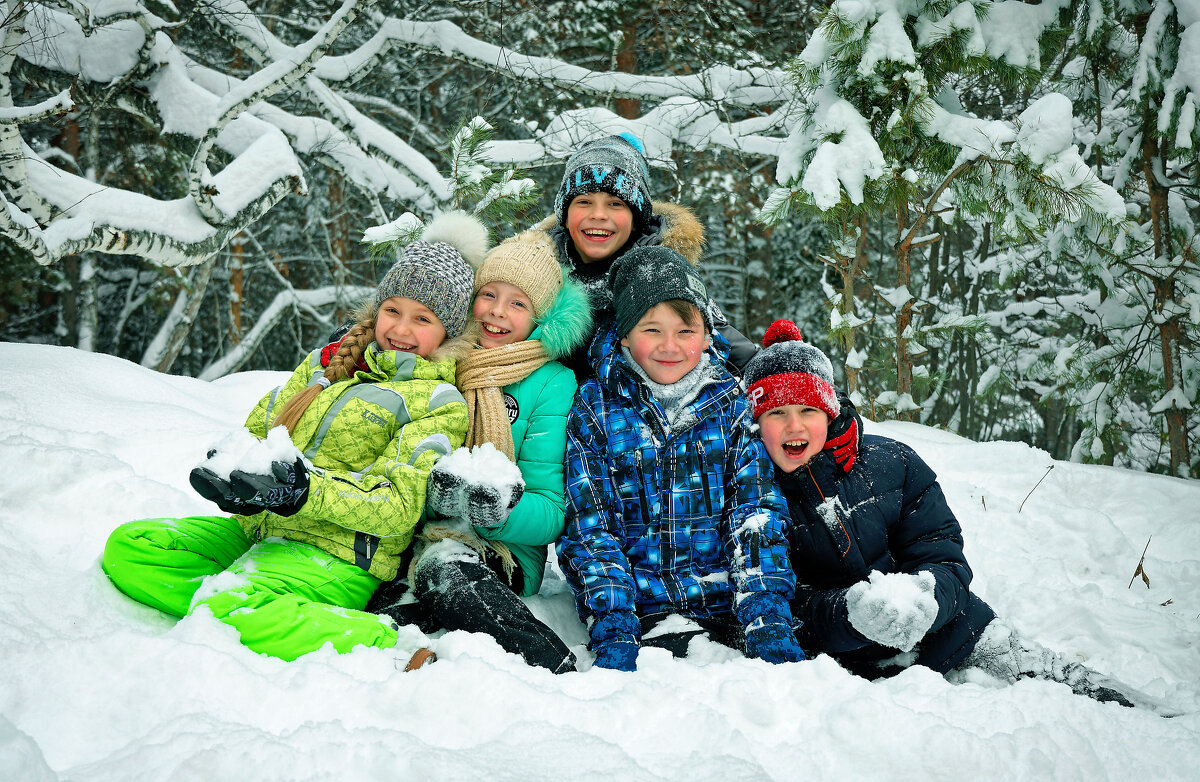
[462, 593]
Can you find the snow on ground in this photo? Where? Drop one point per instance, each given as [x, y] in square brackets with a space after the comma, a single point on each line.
[96, 687]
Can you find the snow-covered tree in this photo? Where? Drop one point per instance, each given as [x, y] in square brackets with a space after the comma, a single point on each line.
[189, 184]
[1134, 377]
[883, 135]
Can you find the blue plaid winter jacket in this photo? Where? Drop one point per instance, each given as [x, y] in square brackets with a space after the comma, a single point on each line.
[667, 522]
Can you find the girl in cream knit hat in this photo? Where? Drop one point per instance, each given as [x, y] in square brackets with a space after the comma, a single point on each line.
[491, 521]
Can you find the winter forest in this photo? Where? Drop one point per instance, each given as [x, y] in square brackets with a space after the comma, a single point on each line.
[984, 211]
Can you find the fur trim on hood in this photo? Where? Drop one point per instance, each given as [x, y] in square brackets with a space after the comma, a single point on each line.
[568, 322]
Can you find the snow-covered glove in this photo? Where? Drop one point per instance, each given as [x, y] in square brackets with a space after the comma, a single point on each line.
[894, 610]
[216, 489]
[769, 634]
[283, 490]
[845, 434]
[446, 492]
[486, 506]
[615, 640]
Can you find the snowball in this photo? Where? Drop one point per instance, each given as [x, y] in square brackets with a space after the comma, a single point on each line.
[241, 450]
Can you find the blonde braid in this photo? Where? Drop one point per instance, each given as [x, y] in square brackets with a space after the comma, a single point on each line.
[345, 362]
[341, 366]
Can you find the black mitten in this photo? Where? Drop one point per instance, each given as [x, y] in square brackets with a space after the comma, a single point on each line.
[484, 508]
[284, 490]
[216, 489]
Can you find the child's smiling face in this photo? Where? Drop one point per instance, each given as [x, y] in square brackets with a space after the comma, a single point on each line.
[504, 314]
[408, 326]
[665, 345]
[793, 434]
[599, 224]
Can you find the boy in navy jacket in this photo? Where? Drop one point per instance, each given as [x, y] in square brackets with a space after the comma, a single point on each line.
[882, 581]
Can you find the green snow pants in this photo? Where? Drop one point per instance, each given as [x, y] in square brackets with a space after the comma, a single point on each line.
[285, 598]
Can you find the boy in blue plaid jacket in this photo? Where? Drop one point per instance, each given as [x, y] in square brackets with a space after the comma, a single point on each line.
[672, 512]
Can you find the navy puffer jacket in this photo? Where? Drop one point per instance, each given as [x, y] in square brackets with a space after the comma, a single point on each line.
[887, 513]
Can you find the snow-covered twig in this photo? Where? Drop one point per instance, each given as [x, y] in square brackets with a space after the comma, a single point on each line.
[266, 82]
[283, 301]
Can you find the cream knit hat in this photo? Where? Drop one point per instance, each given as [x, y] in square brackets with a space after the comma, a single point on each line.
[529, 261]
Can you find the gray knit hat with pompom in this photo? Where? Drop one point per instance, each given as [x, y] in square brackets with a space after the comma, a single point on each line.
[438, 269]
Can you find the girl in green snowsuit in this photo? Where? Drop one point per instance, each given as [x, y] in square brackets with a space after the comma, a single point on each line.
[312, 537]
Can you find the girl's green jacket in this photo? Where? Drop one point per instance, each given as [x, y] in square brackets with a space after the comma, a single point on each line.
[371, 441]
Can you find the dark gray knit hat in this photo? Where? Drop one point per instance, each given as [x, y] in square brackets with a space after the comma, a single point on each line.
[612, 164]
[438, 269]
[647, 276]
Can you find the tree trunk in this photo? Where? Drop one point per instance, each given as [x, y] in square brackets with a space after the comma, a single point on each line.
[172, 335]
[627, 59]
[339, 234]
[237, 281]
[904, 369]
[1169, 331]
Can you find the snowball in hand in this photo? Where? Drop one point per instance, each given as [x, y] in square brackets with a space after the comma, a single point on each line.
[484, 465]
[895, 610]
[241, 450]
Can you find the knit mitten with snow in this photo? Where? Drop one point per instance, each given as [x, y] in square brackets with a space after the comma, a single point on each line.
[1003, 653]
[616, 638]
[446, 493]
[894, 610]
[283, 489]
[769, 636]
[488, 505]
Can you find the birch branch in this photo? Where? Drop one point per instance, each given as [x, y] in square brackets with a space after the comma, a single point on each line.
[283, 301]
[278, 75]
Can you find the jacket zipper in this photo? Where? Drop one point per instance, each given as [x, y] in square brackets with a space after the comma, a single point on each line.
[833, 510]
[641, 486]
[704, 478]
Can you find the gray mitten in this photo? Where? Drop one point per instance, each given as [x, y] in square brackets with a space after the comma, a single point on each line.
[446, 493]
[486, 507]
[894, 610]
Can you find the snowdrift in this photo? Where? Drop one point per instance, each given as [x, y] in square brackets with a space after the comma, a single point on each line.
[96, 687]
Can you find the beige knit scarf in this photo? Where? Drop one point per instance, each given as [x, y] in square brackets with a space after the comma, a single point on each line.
[481, 375]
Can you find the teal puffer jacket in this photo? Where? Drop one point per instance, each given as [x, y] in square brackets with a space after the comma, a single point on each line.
[538, 407]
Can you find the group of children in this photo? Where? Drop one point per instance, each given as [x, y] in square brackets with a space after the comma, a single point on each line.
[577, 386]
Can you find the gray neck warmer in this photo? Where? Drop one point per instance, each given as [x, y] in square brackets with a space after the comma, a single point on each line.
[675, 397]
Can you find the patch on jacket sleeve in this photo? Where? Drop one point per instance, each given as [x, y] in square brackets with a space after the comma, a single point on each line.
[438, 443]
[510, 404]
[444, 394]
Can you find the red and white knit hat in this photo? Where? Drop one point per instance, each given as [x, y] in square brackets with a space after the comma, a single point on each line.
[789, 371]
